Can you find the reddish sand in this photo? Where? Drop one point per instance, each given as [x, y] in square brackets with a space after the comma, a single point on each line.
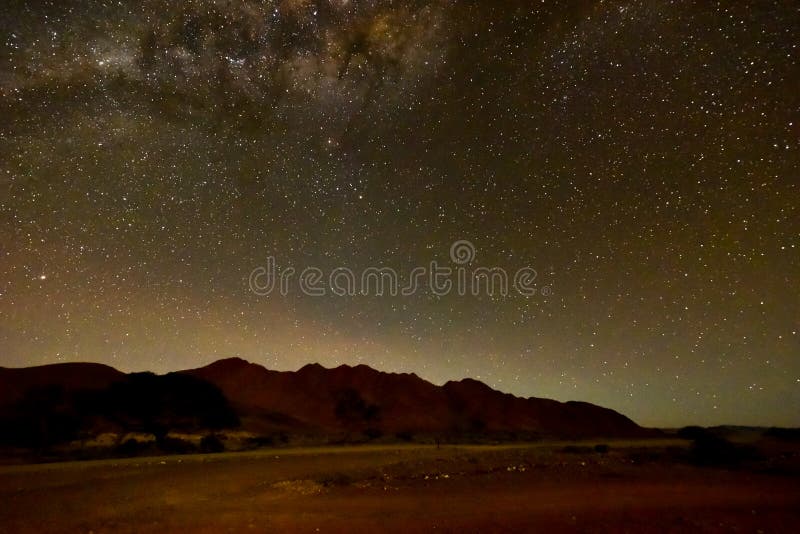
[387, 488]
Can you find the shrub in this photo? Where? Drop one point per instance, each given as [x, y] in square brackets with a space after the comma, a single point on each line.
[171, 445]
[211, 444]
[373, 433]
[260, 441]
[713, 450]
[132, 447]
[405, 435]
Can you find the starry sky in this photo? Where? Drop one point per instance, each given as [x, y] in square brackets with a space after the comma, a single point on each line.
[642, 156]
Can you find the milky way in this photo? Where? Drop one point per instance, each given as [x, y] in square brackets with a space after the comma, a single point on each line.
[641, 156]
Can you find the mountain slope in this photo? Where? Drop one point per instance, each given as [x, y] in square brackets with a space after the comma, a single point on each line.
[14, 383]
[360, 398]
[340, 403]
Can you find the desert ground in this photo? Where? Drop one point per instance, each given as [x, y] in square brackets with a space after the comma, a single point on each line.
[546, 487]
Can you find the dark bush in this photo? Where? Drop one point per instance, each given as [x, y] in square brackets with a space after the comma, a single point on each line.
[268, 440]
[602, 448]
[171, 445]
[712, 450]
[211, 444]
[405, 435]
[260, 441]
[373, 433]
[133, 447]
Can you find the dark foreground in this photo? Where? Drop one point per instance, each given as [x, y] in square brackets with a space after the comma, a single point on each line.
[633, 487]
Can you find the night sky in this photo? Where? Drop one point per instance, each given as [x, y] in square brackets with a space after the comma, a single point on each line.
[641, 156]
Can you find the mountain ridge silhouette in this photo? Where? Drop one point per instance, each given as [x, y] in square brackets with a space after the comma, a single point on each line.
[312, 401]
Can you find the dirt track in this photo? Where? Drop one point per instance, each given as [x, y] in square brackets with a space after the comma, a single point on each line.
[395, 489]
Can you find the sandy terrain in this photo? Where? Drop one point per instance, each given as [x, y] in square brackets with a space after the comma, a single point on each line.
[397, 488]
